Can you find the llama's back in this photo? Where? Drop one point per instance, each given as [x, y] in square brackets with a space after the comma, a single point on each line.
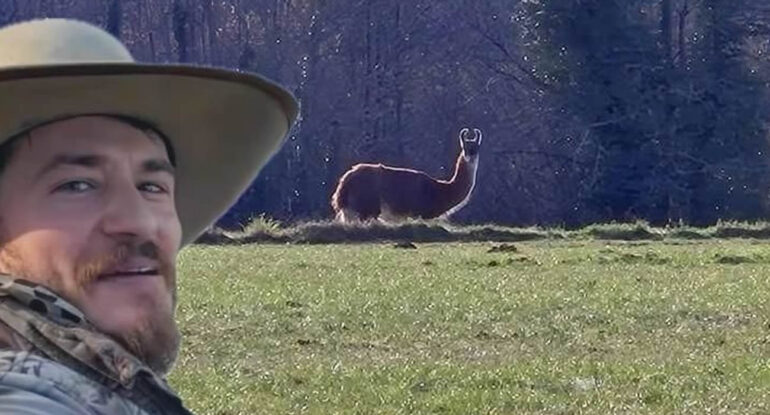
[366, 189]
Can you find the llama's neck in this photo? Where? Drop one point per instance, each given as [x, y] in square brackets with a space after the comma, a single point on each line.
[461, 185]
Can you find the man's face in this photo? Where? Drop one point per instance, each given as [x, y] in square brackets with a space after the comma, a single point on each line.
[87, 209]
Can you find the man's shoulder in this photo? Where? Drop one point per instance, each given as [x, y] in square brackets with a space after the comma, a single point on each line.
[31, 381]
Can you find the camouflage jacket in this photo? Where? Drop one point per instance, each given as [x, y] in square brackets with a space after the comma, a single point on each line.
[52, 361]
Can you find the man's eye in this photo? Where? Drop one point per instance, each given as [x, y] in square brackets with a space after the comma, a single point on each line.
[152, 188]
[75, 186]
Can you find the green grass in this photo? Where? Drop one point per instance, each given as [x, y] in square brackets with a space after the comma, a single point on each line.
[574, 326]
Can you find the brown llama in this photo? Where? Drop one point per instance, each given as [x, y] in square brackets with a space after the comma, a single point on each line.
[376, 191]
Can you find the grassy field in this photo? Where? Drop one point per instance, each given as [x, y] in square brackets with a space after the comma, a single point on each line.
[549, 327]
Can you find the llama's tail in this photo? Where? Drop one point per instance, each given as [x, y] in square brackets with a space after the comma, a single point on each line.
[339, 198]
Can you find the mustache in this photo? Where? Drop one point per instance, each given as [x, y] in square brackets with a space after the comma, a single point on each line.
[88, 271]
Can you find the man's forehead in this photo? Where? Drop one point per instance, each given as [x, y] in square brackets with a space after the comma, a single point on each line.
[95, 133]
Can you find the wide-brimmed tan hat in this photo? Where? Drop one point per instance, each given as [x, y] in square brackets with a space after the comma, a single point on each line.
[223, 125]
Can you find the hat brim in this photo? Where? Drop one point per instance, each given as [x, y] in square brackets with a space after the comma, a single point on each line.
[224, 126]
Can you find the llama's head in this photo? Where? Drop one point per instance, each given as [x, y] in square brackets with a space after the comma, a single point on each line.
[470, 145]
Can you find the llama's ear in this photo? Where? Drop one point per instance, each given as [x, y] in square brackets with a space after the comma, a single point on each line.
[477, 135]
[464, 134]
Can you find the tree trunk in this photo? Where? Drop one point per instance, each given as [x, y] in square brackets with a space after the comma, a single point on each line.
[180, 17]
[114, 17]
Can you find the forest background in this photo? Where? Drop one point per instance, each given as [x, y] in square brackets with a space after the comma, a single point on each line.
[592, 111]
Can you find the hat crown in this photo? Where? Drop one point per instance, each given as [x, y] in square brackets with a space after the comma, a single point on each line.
[59, 42]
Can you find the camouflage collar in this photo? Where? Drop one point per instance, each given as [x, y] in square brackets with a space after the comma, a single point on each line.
[59, 331]
[42, 300]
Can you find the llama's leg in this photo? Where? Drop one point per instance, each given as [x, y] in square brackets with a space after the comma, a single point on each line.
[370, 215]
[367, 208]
[347, 216]
[444, 218]
[387, 216]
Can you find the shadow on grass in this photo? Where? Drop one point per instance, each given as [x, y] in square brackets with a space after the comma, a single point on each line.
[262, 230]
[335, 233]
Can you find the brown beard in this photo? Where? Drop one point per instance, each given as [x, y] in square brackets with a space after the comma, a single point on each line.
[155, 341]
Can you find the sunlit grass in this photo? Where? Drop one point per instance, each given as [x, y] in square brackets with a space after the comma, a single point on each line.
[573, 326]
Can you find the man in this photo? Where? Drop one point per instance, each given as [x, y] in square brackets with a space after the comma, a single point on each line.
[107, 168]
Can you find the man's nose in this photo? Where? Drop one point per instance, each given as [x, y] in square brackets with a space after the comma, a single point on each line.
[127, 214]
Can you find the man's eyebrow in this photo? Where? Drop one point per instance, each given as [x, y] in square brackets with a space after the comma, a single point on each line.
[158, 165]
[92, 160]
[83, 160]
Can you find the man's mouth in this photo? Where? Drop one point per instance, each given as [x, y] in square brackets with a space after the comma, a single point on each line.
[131, 273]
[130, 269]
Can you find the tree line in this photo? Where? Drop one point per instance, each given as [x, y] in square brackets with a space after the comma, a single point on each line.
[592, 110]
